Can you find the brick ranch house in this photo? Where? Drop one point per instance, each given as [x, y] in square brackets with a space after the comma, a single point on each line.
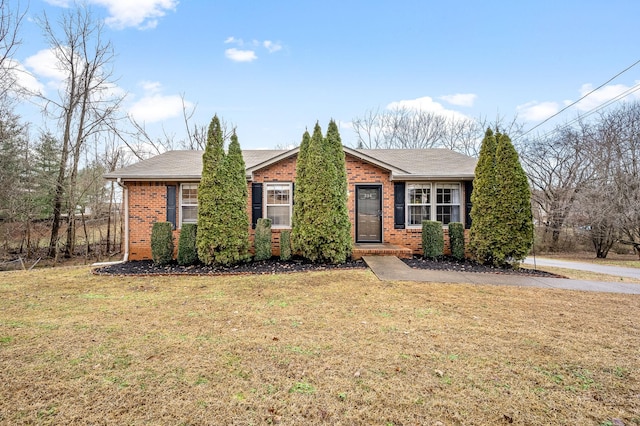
[390, 192]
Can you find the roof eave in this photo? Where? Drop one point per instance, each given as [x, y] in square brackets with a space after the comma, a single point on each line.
[249, 171]
[151, 178]
[416, 177]
[369, 159]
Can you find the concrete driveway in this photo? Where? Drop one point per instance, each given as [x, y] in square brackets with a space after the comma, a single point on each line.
[390, 268]
[618, 271]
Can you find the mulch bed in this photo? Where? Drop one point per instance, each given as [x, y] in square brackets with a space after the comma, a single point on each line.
[277, 266]
[450, 264]
[270, 266]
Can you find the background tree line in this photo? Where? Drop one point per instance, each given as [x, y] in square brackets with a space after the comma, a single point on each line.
[584, 176]
[53, 199]
[585, 180]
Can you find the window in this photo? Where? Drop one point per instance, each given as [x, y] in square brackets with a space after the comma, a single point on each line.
[420, 205]
[447, 202]
[189, 203]
[419, 202]
[278, 204]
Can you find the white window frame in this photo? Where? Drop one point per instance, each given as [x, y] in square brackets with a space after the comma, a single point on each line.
[433, 205]
[448, 185]
[266, 205]
[410, 204]
[182, 204]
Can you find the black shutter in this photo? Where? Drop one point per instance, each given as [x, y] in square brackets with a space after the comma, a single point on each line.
[293, 191]
[256, 203]
[171, 205]
[398, 205]
[468, 189]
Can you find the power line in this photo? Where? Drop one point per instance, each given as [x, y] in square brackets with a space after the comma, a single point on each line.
[627, 92]
[573, 103]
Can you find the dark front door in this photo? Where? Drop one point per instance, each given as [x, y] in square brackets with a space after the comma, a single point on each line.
[368, 214]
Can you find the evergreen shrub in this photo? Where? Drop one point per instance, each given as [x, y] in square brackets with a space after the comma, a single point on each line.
[432, 239]
[456, 240]
[187, 249]
[162, 243]
[285, 245]
[263, 239]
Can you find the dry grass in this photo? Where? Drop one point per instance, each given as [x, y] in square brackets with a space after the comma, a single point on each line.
[313, 348]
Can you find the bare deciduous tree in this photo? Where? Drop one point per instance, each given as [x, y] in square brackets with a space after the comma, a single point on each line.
[558, 168]
[399, 128]
[86, 102]
[405, 128]
[10, 21]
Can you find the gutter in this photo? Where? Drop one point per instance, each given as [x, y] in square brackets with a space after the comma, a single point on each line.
[454, 178]
[125, 200]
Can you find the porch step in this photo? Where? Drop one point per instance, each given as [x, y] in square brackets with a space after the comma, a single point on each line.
[380, 249]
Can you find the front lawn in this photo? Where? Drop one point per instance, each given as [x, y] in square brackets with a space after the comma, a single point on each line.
[333, 347]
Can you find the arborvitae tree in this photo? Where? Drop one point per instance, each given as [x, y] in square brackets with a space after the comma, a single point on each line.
[502, 228]
[262, 240]
[298, 238]
[432, 239]
[341, 241]
[208, 239]
[162, 243]
[456, 240]
[483, 202]
[513, 223]
[321, 219]
[232, 208]
[285, 245]
[187, 251]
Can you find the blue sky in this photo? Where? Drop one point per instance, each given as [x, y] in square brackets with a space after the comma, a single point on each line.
[274, 68]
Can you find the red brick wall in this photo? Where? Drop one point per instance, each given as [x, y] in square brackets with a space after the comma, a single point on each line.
[282, 171]
[147, 204]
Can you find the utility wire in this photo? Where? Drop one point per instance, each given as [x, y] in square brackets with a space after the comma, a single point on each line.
[627, 92]
[573, 103]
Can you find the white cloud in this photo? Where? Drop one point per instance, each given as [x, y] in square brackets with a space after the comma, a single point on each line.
[151, 87]
[234, 40]
[249, 55]
[537, 111]
[460, 99]
[59, 3]
[46, 65]
[142, 14]
[602, 95]
[426, 104]
[238, 55]
[271, 46]
[155, 106]
[23, 78]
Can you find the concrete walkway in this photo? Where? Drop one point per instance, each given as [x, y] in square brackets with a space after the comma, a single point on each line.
[619, 271]
[390, 268]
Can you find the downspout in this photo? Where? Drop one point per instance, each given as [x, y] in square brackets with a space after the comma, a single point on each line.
[125, 198]
[125, 195]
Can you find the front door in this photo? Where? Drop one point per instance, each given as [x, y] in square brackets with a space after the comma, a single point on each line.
[368, 214]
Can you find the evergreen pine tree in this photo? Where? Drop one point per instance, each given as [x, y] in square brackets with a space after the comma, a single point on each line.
[513, 223]
[321, 230]
[484, 201]
[502, 228]
[208, 239]
[340, 244]
[232, 207]
[298, 234]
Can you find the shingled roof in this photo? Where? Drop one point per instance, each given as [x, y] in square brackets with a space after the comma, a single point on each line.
[404, 164]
